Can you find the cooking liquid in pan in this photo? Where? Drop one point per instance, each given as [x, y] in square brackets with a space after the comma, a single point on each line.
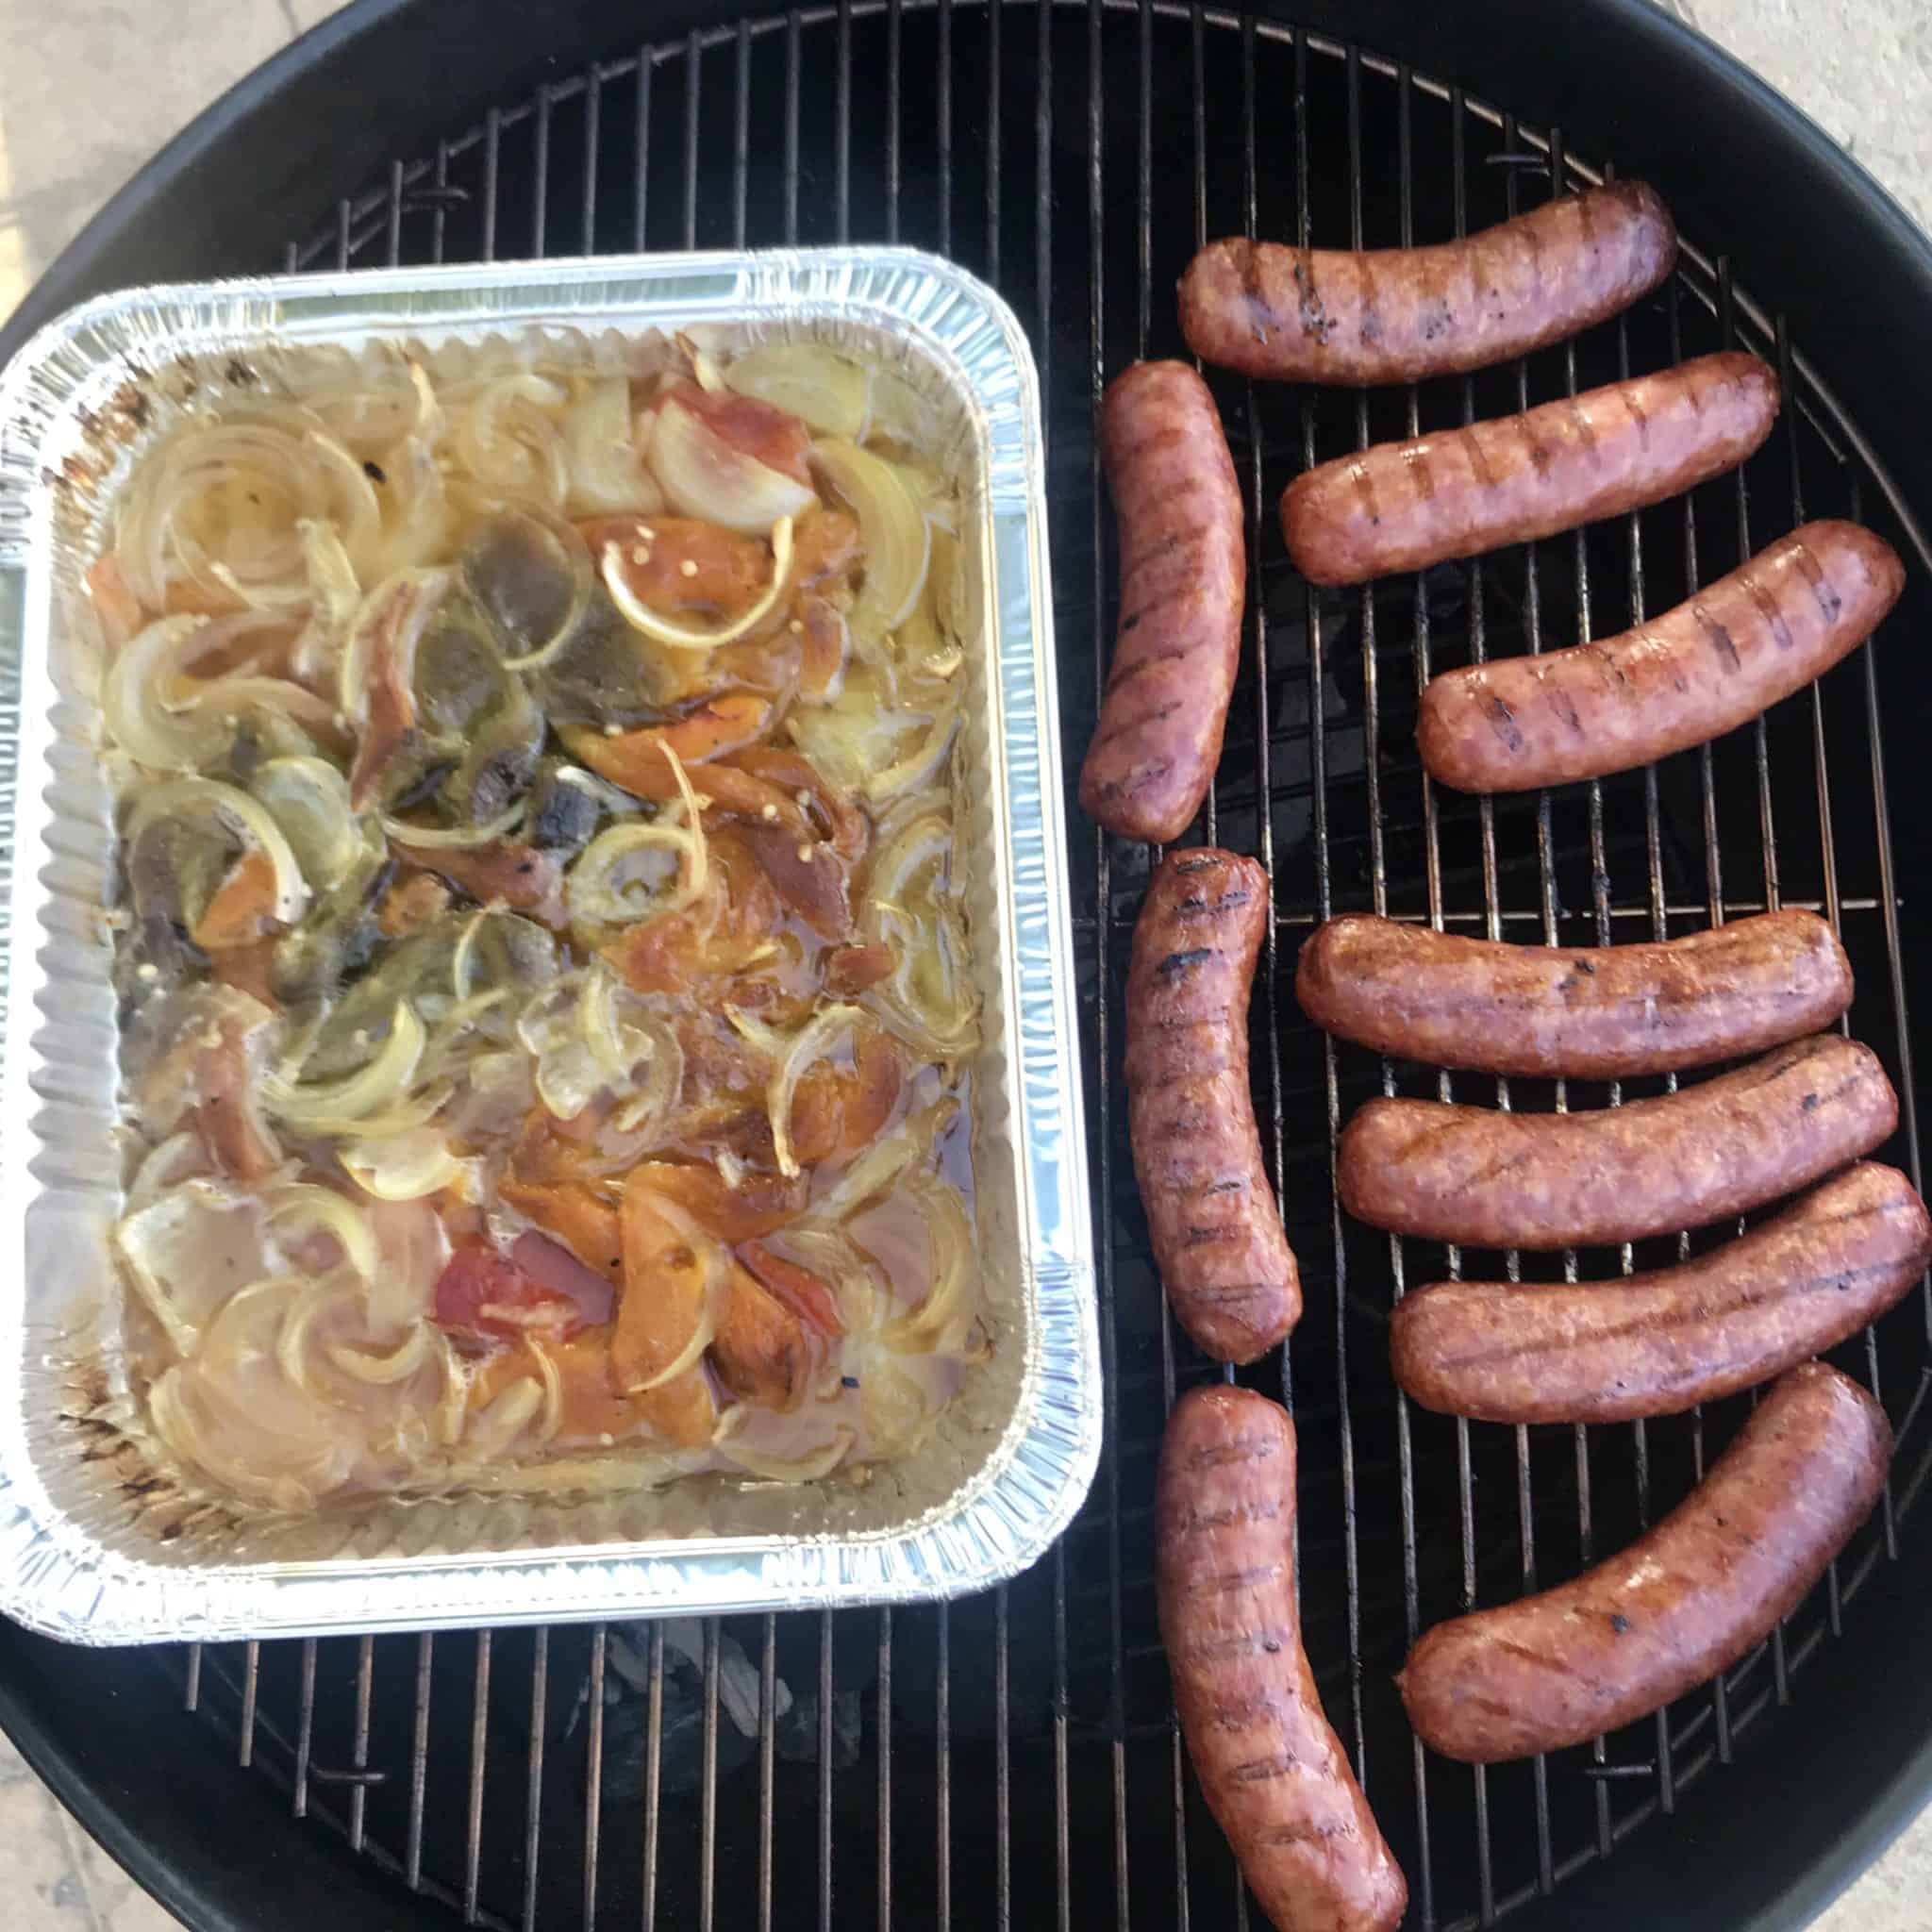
[1029, 1773]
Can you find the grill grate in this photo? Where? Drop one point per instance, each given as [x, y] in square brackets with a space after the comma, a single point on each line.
[600, 1776]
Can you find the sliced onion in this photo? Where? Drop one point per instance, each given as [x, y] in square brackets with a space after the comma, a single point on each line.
[402, 1167]
[154, 727]
[553, 1390]
[419, 1110]
[179, 1245]
[417, 526]
[301, 1208]
[908, 1147]
[506, 1418]
[508, 441]
[640, 617]
[596, 893]
[792, 1468]
[794, 1056]
[176, 1158]
[454, 837]
[897, 540]
[901, 414]
[359, 521]
[384, 1370]
[703, 476]
[308, 799]
[927, 996]
[335, 595]
[717, 1280]
[357, 1095]
[242, 818]
[404, 604]
[921, 764]
[607, 472]
[826, 390]
[940, 1320]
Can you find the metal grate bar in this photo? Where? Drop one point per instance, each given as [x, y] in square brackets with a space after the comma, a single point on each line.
[593, 1771]
[418, 1761]
[594, 122]
[1486, 1886]
[741, 135]
[943, 129]
[305, 1729]
[885, 1774]
[251, 1687]
[1318, 713]
[826, 1771]
[692, 76]
[641, 158]
[479, 1741]
[943, 1765]
[768, 1702]
[1110, 1474]
[1372, 727]
[540, 173]
[1714, 865]
[359, 1783]
[654, 1769]
[708, 1815]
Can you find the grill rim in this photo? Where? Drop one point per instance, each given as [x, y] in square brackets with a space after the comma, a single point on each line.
[1683, 58]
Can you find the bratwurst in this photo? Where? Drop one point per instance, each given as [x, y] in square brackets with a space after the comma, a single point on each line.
[1684, 1602]
[1270, 1766]
[1593, 1012]
[1400, 314]
[1183, 579]
[1490, 1179]
[1460, 492]
[1218, 1238]
[1711, 664]
[1660, 1343]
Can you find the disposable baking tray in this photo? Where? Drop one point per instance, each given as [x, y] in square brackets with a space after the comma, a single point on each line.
[101, 1543]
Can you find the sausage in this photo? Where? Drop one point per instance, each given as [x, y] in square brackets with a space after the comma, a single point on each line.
[1593, 1012]
[1660, 1343]
[1270, 1766]
[1489, 1179]
[1218, 1241]
[1184, 575]
[1683, 1602]
[1711, 664]
[1460, 492]
[1401, 314]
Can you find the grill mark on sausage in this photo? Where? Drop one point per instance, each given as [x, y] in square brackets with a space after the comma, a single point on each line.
[1767, 606]
[1502, 721]
[1823, 590]
[1365, 489]
[1586, 434]
[1634, 406]
[1315, 319]
[1368, 302]
[1478, 458]
[1719, 639]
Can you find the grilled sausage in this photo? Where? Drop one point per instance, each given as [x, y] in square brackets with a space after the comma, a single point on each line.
[1596, 1012]
[1218, 1241]
[1183, 577]
[1684, 1602]
[1270, 1766]
[1660, 1343]
[1458, 492]
[1711, 664]
[1489, 1179]
[1400, 314]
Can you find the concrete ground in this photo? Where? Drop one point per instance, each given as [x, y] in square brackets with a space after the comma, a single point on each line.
[88, 89]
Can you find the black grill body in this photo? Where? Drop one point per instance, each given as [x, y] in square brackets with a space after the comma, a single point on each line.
[1010, 1761]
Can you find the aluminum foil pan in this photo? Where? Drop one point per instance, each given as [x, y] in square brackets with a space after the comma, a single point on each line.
[101, 1544]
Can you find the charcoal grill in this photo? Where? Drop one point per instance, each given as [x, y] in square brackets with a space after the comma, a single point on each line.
[1011, 1760]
